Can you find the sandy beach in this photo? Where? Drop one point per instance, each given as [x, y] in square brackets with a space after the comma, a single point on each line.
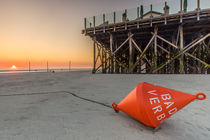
[61, 116]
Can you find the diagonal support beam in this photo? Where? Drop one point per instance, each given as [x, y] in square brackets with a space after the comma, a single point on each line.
[99, 52]
[123, 44]
[203, 38]
[191, 43]
[163, 49]
[204, 63]
[142, 54]
[184, 51]
[139, 49]
[166, 41]
[109, 57]
[98, 68]
[147, 45]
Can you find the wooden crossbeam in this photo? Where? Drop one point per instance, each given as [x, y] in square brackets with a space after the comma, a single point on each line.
[120, 63]
[182, 52]
[147, 45]
[191, 46]
[99, 51]
[99, 48]
[163, 49]
[98, 68]
[123, 44]
[140, 57]
[161, 38]
[191, 43]
[139, 49]
[203, 62]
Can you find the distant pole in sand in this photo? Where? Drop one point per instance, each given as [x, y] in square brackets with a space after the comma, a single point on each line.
[29, 66]
[47, 66]
[69, 65]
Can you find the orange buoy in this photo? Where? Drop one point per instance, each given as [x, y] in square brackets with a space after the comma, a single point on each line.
[151, 104]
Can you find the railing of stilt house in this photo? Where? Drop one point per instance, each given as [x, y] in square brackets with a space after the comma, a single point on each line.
[146, 11]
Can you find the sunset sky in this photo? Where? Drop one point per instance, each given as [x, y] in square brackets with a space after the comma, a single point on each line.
[50, 30]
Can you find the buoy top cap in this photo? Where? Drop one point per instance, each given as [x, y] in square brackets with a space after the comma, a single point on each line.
[200, 96]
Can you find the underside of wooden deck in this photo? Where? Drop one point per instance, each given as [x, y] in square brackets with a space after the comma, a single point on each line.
[177, 43]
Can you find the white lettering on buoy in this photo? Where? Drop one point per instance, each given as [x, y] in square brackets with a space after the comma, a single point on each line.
[168, 104]
[157, 109]
[172, 111]
[152, 92]
[154, 100]
[160, 117]
[166, 97]
[161, 112]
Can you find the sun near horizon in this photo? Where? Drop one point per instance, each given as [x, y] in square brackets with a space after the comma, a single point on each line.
[13, 67]
[30, 32]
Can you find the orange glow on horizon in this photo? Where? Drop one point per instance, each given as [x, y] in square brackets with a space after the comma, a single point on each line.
[13, 67]
[30, 32]
[42, 64]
